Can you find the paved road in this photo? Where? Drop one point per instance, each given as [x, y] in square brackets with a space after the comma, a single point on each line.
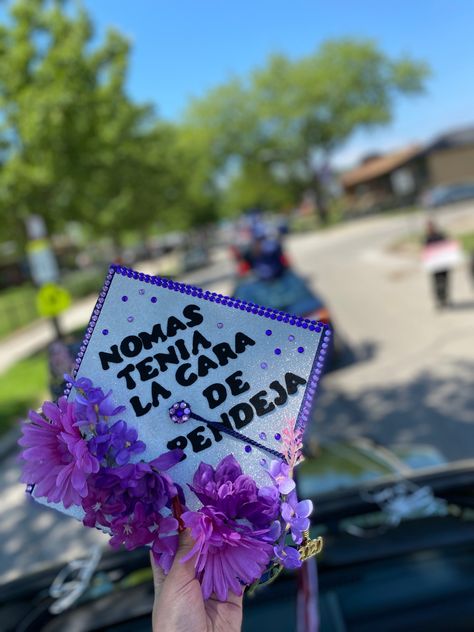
[413, 381]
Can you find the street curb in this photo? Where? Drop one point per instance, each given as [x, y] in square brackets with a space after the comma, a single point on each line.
[8, 443]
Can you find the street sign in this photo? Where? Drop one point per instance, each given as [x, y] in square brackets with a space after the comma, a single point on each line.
[52, 299]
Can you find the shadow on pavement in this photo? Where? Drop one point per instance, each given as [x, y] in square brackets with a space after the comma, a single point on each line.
[432, 409]
[461, 305]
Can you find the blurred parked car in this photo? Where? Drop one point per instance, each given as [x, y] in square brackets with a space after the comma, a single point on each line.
[291, 294]
[398, 555]
[449, 194]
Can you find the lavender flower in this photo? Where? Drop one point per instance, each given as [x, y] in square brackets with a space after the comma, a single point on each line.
[57, 458]
[91, 402]
[281, 474]
[288, 556]
[296, 515]
[116, 443]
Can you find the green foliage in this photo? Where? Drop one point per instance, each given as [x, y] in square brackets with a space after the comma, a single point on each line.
[73, 146]
[269, 135]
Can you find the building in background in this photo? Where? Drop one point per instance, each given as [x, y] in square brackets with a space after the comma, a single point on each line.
[399, 178]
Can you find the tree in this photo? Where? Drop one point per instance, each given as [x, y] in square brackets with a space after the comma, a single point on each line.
[73, 146]
[282, 124]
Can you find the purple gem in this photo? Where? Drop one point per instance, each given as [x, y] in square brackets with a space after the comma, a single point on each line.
[264, 365]
[268, 332]
[300, 349]
[277, 351]
[277, 436]
[291, 337]
[248, 448]
[180, 412]
[105, 331]
[220, 325]
[263, 436]
[124, 299]
[153, 299]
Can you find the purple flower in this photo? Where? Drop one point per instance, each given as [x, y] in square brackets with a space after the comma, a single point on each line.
[57, 458]
[288, 556]
[102, 503]
[118, 442]
[296, 515]
[145, 482]
[124, 442]
[228, 554]
[91, 402]
[99, 444]
[235, 494]
[165, 544]
[280, 473]
[132, 530]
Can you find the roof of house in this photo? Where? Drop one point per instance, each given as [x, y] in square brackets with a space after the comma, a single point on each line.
[455, 138]
[379, 166]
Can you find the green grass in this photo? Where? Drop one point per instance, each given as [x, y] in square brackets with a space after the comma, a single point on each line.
[467, 241]
[22, 387]
[17, 308]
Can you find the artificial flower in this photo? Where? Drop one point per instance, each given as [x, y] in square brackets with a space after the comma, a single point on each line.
[228, 554]
[288, 556]
[91, 402]
[235, 494]
[296, 515]
[117, 442]
[165, 543]
[280, 473]
[57, 458]
[102, 503]
[132, 530]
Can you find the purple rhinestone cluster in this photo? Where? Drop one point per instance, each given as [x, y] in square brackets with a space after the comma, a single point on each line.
[180, 412]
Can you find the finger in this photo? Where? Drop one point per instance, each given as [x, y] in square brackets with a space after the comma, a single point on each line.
[183, 572]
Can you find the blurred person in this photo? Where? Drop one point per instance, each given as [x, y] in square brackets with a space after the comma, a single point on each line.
[179, 606]
[440, 278]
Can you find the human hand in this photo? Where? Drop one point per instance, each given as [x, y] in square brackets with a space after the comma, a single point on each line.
[179, 605]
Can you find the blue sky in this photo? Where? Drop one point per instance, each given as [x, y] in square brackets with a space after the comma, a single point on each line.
[183, 47]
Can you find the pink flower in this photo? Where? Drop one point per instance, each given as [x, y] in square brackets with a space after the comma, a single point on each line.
[228, 554]
[57, 458]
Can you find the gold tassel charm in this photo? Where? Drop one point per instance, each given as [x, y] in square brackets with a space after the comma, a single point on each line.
[309, 548]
